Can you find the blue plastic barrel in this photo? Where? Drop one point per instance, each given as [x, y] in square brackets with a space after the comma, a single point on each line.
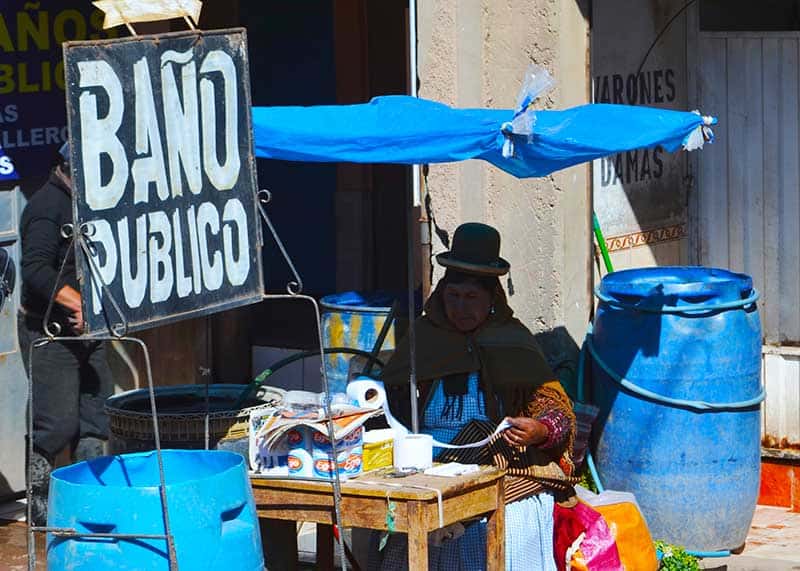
[352, 319]
[211, 513]
[676, 358]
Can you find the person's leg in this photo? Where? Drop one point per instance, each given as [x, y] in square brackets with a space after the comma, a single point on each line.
[55, 409]
[394, 555]
[40, 469]
[529, 534]
[96, 386]
[55, 391]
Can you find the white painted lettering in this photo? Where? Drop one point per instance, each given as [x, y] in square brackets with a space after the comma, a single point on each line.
[194, 246]
[236, 269]
[150, 169]
[99, 135]
[105, 258]
[161, 277]
[133, 287]
[208, 217]
[222, 176]
[6, 166]
[183, 283]
[183, 131]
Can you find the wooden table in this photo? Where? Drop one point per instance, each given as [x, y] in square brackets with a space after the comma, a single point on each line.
[364, 504]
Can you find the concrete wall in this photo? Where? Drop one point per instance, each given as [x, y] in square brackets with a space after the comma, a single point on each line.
[474, 53]
[641, 197]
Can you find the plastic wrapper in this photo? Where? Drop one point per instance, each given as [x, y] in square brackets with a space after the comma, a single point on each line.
[583, 540]
[536, 82]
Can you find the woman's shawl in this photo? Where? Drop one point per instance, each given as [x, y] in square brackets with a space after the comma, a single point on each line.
[502, 350]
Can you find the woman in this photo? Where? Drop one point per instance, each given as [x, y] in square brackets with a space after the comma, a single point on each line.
[477, 364]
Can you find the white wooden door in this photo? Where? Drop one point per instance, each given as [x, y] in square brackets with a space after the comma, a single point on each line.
[748, 194]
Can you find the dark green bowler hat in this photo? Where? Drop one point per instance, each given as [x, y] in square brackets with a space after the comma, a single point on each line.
[476, 250]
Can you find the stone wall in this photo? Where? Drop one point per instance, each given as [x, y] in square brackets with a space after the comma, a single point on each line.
[475, 53]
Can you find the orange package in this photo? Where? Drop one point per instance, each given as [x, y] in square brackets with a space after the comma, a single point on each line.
[627, 525]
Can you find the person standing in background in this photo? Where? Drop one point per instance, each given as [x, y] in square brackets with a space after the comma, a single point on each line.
[71, 380]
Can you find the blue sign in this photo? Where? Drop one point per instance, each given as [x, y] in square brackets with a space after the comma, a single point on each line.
[7, 169]
[33, 117]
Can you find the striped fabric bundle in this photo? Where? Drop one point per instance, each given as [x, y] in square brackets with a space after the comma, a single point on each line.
[528, 471]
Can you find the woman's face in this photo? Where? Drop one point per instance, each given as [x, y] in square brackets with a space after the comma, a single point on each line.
[466, 305]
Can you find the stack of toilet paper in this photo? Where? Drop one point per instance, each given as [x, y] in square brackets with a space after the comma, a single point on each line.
[310, 454]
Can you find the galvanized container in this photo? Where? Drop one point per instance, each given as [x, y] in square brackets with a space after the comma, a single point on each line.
[182, 417]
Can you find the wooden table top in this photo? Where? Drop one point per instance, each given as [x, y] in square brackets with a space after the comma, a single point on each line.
[376, 483]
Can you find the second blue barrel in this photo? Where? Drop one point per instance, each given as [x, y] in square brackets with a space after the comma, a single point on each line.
[676, 358]
[212, 514]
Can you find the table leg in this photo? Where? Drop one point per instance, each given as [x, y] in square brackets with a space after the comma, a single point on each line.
[279, 541]
[417, 537]
[496, 533]
[324, 547]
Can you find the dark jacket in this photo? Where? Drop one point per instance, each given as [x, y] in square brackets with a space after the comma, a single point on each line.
[44, 250]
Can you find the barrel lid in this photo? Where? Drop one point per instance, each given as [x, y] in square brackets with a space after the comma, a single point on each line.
[373, 301]
[689, 283]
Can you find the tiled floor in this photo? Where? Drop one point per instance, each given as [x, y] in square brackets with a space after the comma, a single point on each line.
[772, 544]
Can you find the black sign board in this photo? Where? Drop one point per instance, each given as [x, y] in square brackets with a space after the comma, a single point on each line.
[164, 177]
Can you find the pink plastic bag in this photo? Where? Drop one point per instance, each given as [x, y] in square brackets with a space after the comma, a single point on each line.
[599, 548]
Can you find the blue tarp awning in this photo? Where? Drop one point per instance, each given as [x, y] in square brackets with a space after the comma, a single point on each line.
[408, 130]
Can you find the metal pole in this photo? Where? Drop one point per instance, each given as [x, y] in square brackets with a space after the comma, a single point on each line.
[173, 558]
[295, 289]
[412, 333]
[173, 562]
[412, 79]
[117, 332]
[601, 243]
[413, 202]
[337, 485]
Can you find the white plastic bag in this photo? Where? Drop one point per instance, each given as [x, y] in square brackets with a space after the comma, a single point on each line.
[536, 82]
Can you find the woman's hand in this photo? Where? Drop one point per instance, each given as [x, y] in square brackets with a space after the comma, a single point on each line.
[525, 432]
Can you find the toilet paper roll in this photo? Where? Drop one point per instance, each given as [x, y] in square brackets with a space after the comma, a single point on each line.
[413, 451]
[369, 393]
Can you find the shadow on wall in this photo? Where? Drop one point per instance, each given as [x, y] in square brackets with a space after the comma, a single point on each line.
[585, 7]
[562, 355]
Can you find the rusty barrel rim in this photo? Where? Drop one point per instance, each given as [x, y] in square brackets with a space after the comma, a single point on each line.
[184, 426]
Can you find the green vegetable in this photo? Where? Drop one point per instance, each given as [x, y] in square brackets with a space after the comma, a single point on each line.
[675, 558]
[586, 479]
